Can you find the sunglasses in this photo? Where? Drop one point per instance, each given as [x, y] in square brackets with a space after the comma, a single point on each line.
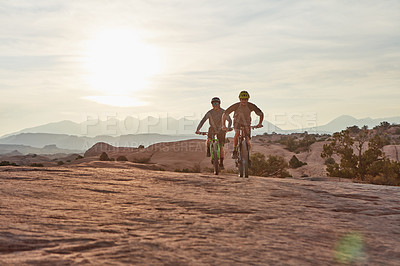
[215, 103]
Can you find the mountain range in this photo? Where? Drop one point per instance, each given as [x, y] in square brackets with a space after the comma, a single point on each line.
[342, 122]
[128, 126]
[67, 136]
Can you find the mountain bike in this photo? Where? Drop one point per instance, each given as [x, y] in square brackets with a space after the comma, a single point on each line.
[215, 151]
[243, 158]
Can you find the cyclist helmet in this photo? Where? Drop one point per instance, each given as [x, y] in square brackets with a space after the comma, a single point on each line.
[244, 95]
[215, 99]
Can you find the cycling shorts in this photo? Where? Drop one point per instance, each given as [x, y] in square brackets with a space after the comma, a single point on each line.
[220, 136]
[247, 129]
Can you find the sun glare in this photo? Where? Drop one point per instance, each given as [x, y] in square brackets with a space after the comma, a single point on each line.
[119, 64]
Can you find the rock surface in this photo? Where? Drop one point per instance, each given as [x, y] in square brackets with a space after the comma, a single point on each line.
[63, 216]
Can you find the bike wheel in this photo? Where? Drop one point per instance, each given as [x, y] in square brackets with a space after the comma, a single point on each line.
[245, 158]
[240, 161]
[215, 160]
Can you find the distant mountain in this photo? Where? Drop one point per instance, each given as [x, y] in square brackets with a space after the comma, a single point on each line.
[130, 125]
[344, 121]
[75, 135]
[62, 127]
[14, 150]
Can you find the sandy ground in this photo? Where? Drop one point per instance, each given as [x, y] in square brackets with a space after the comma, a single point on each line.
[89, 216]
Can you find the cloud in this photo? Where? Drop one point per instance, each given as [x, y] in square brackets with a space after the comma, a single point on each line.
[113, 100]
[290, 54]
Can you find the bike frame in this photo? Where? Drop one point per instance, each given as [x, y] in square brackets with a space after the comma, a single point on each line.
[214, 142]
[242, 161]
[215, 151]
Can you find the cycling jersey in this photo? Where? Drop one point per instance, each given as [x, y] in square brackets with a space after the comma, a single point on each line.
[242, 113]
[215, 120]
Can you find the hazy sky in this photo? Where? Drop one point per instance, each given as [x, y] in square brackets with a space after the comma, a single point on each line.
[309, 60]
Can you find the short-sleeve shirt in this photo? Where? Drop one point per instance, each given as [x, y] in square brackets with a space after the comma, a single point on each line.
[215, 119]
[242, 113]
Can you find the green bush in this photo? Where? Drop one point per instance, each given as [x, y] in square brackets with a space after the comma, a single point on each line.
[143, 160]
[329, 161]
[7, 163]
[60, 162]
[295, 162]
[36, 165]
[273, 166]
[195, 169]
[368, 163]
[122, 159]
[104, 157]
[297, 145]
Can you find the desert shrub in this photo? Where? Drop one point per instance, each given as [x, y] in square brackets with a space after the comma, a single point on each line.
[79, 157]
[228, 171]
[297, 145]
[329, 161]
[143, 160]
[112, 159]
[383, 180]
[383, 126]
[354, 129]
[104, 157]
[36, 165]
[7, 163]
[60, 163]
[141, 147]
[195, 169]
[208, 169]
[369, 164]
[295, 162]
[122, 159]
[273, 166]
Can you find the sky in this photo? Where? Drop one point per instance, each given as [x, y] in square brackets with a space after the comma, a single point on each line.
[303, 62]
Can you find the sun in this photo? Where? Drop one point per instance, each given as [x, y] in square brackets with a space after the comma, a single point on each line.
[119, 64]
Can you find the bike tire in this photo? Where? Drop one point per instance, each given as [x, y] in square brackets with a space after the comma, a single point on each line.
[240, 161]
[215, 161]
[245, 158]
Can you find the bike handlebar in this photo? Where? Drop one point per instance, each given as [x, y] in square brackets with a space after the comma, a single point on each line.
[206, 133]
[255, 127]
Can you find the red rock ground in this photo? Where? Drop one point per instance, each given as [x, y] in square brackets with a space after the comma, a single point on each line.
[111, 216]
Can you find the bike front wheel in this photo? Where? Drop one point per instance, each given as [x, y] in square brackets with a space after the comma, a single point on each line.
[215, 161]
[244, 162]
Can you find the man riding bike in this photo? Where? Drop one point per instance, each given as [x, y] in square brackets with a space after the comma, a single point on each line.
[215, 116]
[242, 118]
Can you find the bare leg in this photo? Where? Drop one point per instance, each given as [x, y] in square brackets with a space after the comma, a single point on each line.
[236, 138]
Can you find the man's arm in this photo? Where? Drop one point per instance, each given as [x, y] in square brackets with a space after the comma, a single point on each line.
[258, 112]
[261, 120]
[206, 116]
[226, 114]
[229, 121]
